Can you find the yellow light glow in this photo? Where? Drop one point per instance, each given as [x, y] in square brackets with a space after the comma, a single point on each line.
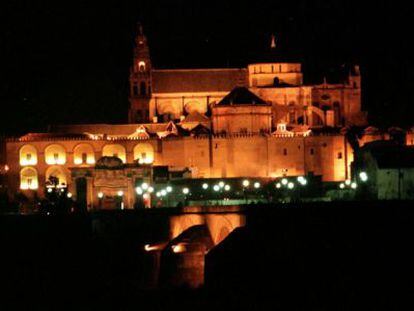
[28, 155]
[28, 179]
[179, 248]
[55, 154]
[90, 160]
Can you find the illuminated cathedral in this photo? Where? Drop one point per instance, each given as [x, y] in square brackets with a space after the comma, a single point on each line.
[259, 122]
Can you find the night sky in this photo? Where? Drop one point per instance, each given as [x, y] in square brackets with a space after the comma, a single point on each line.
[68, 61]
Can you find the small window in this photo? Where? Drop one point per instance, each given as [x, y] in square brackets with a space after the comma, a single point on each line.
[284, 151]
[29, 182]
[312, 151]
[56, 156]
[84, 157]
[143, 88]
[135, 89]
[28, 156]
[339, 155]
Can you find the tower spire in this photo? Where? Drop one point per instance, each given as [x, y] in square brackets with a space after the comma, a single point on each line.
[273, 42]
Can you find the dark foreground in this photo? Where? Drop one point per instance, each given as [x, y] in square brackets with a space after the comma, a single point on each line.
[320, 257]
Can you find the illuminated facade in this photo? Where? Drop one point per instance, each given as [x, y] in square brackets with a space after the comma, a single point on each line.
[260, 121]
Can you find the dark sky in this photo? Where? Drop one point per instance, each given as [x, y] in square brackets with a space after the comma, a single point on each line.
[68, 61]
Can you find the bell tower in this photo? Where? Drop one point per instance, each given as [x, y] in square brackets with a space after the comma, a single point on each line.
[140, 80]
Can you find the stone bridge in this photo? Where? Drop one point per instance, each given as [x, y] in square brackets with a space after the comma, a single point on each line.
[173, 241]
[193, 233]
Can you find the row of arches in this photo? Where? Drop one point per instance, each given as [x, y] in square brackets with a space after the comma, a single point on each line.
[29, 179]
[55, 154]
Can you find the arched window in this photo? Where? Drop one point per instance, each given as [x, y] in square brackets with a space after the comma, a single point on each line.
[83, 154]
[141, 66]
[292, 113]
[28, 179]
[143, 87]
[337, 112]
[114, 151]
[135, 89]
[28, 155]
[144, 153]
[55, 154]
[56, 173]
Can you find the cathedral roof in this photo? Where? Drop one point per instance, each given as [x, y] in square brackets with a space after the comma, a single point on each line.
[242, 96]
[197, 80]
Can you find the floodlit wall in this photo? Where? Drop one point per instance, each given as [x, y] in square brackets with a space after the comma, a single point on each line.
[242, 155]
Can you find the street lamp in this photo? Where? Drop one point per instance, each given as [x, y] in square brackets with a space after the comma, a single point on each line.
[257, 185]
[186, 190]
[216, 188]
[246, 183]
[139, 190]
[221, 184]
[205, 186]
[227, 187]
[363, 176]
[169, 189]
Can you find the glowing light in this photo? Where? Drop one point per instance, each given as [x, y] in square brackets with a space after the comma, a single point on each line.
[342, 185]
[120, 193]
[221, 184]
[139, 190]
[246, 183]
[347, 182]
[257, 185]
[216, 188]
[49, 190]
[146, 196]
[150, 189]
[205, 186]
[284, 181]
[90, 160]
[363, 176]
[186, 190]
[179, 248]
[69, 195]
[149, 248]
[100, 195]
[78, 161]
[278, 185]
[227, 187]
[144, 186]
[354, 185]
[158, 194]
[302, 180]
[164, 192]
[291, 185]
[169, 189]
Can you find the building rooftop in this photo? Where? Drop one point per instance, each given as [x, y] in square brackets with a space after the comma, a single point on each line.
[197, 80]
[242, 96]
